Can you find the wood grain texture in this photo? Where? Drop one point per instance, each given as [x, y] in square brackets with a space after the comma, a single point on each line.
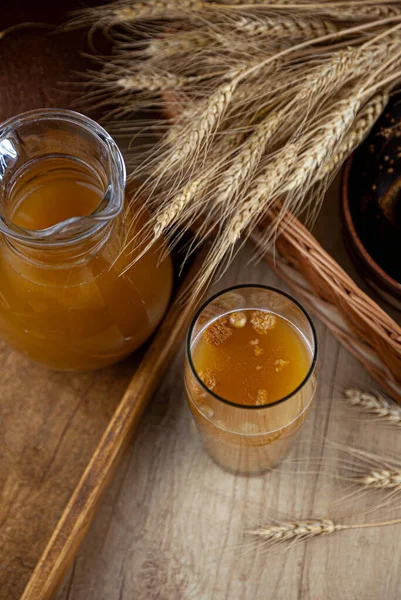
[172, 525]
[50, 424]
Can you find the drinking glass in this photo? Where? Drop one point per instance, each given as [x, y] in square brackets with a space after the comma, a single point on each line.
[243, 438]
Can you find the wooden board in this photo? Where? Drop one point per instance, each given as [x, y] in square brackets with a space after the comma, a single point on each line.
[171, 527]
[50, 425]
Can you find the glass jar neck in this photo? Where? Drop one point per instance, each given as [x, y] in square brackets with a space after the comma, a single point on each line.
[62, 135]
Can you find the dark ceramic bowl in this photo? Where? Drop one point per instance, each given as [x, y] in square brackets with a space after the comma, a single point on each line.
[371, 205]
[375, 276]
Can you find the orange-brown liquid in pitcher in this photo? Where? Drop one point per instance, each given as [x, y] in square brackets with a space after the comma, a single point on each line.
[85, 305]
[251, 357]
[54, 190]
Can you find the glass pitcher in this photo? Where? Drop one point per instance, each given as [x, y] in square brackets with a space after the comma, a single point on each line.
[72, 295]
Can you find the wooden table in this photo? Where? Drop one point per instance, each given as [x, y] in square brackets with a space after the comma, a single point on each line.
[172, 525]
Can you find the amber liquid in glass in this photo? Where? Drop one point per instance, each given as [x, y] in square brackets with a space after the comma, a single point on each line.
[251, 358]
[81, 306]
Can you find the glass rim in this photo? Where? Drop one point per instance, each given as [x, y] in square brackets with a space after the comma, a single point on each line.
[75, 228]
[262, 287]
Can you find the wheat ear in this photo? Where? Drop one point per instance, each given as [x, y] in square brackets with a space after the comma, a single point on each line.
[381, 479]
[192, 138]
[182, 43]
[358, 12]
[125, 11]
[369, 9]
[303, 531]
[328, 135]
[152, 81]
[375, 404]
[285, 27]
[358, 133]
[179, 202]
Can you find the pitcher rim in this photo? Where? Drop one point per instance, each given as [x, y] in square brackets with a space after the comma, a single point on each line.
[75, 228]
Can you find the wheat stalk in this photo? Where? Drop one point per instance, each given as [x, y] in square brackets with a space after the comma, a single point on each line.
[210, 113]
[297, 530]
[126, 11]
[375, 404]
[381, 479]
[288, 533]
[358, 133]
[270, 97]
[285, 27]
[152, 81]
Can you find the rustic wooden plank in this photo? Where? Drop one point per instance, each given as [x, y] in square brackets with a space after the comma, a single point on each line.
[50, 424]
[172, 524]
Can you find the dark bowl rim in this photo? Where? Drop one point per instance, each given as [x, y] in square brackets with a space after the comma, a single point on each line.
[353, 236]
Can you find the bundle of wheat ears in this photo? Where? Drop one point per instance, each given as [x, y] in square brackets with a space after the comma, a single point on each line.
[258, 102]
[365, 472]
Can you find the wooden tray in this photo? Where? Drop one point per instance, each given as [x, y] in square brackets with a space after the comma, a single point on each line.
[61, 437]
